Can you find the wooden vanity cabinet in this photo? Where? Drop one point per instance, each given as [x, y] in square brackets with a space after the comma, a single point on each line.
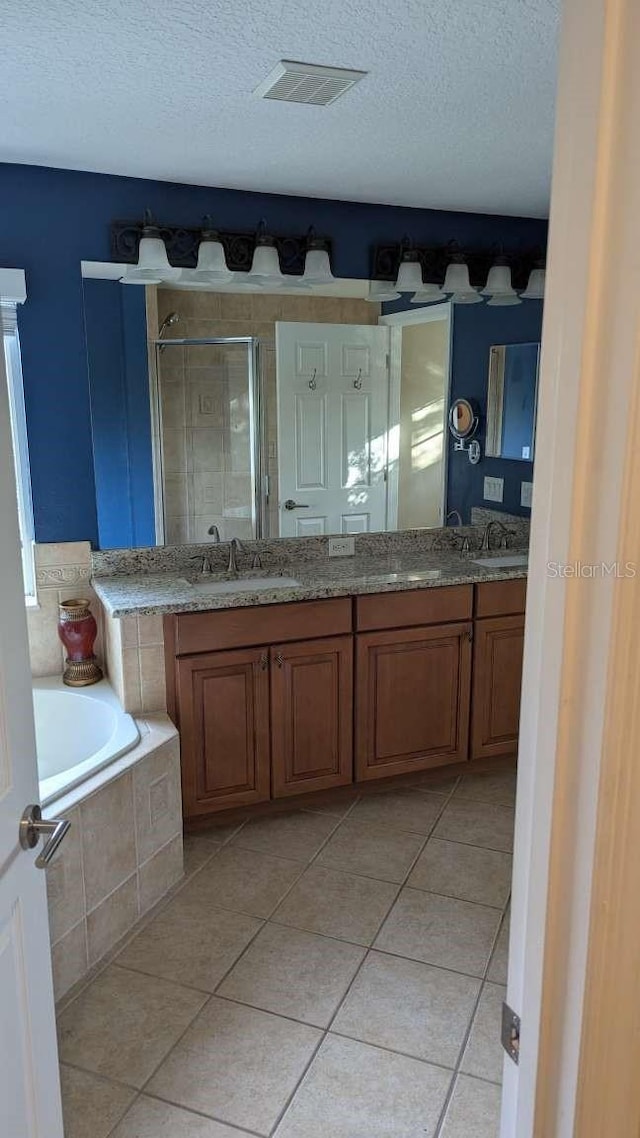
[311, 715]
[265, 720]
[273, 701]
[413, 683]
[224, 729]
[497, 668]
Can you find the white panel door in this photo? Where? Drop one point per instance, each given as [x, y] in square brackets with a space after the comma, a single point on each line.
[333, 396]
[29, 1081]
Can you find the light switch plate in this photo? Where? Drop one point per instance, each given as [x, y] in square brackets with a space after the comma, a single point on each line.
[526, 492]
[342, 546]
[493, 489]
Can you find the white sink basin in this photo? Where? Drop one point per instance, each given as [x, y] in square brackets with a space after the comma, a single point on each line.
[506, 561]
[240, 585]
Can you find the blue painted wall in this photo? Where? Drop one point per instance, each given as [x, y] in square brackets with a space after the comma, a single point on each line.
[50, 220]
[115, 325]
[475, 328]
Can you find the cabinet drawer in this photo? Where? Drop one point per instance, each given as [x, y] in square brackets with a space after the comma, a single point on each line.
[263, 624]
[501, 598]
[419, 606]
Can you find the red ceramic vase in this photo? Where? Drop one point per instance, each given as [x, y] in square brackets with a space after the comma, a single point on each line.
[77, 630]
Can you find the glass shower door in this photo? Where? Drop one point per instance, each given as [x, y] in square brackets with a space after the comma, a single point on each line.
[209, 465]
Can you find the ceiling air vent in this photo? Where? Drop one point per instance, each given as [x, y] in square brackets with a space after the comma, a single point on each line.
[307, 83]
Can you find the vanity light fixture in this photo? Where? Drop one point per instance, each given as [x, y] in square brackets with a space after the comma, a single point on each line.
[409, 277]
[265, 266]
[499, 288]
[457, 283]
[153, 264]
[535, 285]
[317, 265]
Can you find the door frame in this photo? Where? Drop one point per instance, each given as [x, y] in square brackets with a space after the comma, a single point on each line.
[396, 321]
[573, 973]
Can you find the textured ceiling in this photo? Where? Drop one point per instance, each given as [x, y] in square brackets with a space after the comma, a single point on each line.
[456, 112]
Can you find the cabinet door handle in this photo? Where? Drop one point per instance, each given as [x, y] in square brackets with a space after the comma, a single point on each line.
[264, 661]
[279, 659]
[470, 634]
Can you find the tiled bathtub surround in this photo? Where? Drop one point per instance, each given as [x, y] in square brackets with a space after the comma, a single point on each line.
[63, 571]
[135, 662]
[122, 854]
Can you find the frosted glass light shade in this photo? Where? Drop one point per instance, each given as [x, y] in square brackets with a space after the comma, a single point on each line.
[381, 291]
[457, 278]
[504, 300]
[409, 276]
[212, 260]
[499, 282]
[152, 259]
[535, 285]
[428, 294]
[457, 282]
[471, 297]
[317, 268]
[265, 266]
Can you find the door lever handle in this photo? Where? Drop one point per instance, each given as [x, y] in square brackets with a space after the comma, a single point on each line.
[291, 505]
[33, 827]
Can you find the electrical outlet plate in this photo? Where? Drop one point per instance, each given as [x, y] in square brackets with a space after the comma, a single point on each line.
[526, 491]
[342, 546]
[493, 489]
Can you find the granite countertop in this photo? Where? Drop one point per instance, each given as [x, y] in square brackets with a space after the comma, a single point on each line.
[169, 592]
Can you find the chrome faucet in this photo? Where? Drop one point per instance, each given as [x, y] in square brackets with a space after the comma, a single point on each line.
[205, 564]
[234, 549]
[455, 514]
[504, 532]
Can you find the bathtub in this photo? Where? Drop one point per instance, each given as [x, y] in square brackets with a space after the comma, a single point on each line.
[78, 732]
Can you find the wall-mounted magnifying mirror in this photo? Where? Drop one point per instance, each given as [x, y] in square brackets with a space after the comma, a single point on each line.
[463, 421]
[512, 400]
[463, 424]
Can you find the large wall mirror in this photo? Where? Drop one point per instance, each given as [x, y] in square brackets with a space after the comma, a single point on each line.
[226, 413]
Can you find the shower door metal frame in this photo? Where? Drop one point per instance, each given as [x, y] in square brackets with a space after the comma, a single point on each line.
[256, 427]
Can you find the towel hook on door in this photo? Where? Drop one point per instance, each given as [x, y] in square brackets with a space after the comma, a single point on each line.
[357, 383]
[312, 381]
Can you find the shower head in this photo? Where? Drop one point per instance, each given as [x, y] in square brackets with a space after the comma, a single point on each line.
[168, 322]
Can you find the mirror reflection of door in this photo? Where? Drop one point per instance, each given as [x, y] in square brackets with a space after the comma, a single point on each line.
[420, 341]
[332, 425]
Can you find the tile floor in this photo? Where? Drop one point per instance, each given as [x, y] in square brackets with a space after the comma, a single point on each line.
[335, 973]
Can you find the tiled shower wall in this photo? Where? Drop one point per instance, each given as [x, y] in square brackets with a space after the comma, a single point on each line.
[205, 403]
[63, 571]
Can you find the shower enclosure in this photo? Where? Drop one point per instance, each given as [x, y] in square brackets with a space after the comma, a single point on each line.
[208, 440]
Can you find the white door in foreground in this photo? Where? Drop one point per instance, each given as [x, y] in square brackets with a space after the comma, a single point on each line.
[29, 1081]
[333, 393]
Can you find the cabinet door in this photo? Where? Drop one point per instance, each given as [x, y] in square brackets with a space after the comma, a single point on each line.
[224, 729]
[497, 677]
[311, 715]
[412, 696]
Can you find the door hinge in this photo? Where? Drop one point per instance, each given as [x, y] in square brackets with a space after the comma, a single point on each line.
[387, 360]
[511, 1033]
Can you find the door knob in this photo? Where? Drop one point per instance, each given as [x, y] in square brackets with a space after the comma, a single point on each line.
[291, 505]
[33, 827]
